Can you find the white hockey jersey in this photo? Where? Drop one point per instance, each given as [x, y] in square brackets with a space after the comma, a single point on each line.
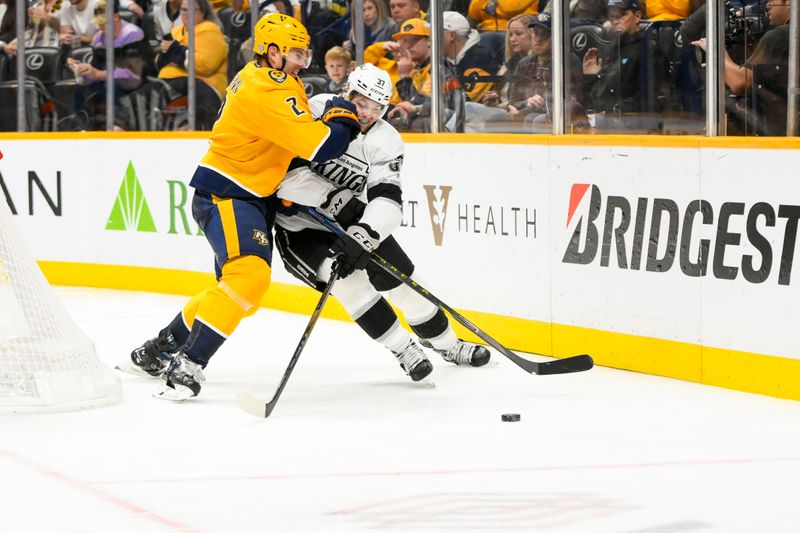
[370, 168]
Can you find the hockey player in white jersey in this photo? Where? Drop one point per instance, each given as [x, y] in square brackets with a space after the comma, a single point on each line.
[362, 191]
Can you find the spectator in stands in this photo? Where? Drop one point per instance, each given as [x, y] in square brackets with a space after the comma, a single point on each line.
[668, 9]
[8, 22]
[166, 14]
[378, 24]
[77, 28]
[403, 10]
[133, 7]
[530, 94]
[328, 28]
[765, 75]
[42, 29]
[285, 7]
[413, 112]
[518, 40]
[217, 5]
[583, 11]
[210, 56]
[614, 90]
[470, 60]
[517, 46]
[493, 15]
[133, 61]
[338, 64]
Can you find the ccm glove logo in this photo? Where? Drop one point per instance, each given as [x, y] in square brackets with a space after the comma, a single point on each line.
[365, 236]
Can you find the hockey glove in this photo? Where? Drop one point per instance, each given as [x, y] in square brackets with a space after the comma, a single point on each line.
[343, 112]
[352, 250]
[342, 206]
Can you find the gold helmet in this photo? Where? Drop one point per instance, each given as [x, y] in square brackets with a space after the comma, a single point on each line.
[283, 31]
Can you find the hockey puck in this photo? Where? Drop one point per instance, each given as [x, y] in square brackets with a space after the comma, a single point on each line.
[510, 417]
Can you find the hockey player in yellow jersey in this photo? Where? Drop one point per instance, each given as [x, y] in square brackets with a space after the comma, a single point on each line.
[264, 122]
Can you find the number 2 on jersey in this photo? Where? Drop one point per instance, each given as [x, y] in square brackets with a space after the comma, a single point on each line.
[292, 101]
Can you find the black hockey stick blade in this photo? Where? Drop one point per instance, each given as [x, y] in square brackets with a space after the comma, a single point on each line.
[577, 363]
[246, 400]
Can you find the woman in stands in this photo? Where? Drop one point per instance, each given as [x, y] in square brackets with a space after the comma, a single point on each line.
[379, 26]
[518, 46]
[211, 60]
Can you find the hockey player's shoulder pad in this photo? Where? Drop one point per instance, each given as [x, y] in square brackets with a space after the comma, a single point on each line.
[317, 103]
[340, 111]
[385, 143]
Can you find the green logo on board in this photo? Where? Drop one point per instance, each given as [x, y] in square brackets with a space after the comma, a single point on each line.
[130, 211]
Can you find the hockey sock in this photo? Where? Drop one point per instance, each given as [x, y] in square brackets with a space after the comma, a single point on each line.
[179, 329]
[220, 308]
[428, 321]
[370, 310]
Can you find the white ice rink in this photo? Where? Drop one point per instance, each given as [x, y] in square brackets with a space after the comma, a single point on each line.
[355, 446]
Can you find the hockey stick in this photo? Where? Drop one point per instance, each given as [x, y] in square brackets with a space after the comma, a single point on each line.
[577, 363]
[246, 400]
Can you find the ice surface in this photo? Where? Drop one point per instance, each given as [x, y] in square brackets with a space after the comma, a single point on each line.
[353, 445]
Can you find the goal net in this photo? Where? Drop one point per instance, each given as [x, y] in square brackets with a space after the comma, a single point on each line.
[46, 362]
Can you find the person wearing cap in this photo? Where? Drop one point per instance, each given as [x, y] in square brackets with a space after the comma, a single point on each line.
[530, 95]
[133, 56]
[414, 90]
[133, 62]
[613, 88]
[471, 60]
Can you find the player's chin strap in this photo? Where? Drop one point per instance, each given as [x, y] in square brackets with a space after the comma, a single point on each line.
[577, 363]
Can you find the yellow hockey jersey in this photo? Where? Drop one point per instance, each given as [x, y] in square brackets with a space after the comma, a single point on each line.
[264, 122]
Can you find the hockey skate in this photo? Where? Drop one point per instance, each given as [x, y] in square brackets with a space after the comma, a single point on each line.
[152, 357]
[462, 353]
[413, 361]
[183, 379]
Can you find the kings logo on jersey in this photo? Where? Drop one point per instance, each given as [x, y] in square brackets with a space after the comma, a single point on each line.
[347, 171]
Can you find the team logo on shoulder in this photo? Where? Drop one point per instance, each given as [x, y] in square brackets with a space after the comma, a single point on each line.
[260, 237]
[397, 164]
[278, 76]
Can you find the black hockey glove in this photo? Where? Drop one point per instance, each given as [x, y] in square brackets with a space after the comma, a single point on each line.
[343, 207]
[339, 110]
[352, 250]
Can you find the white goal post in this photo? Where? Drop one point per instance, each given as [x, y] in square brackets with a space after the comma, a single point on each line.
[46, 362]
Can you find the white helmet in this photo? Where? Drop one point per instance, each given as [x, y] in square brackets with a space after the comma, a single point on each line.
[372, 82]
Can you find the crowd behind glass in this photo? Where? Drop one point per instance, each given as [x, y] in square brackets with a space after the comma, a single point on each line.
[627, 66]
